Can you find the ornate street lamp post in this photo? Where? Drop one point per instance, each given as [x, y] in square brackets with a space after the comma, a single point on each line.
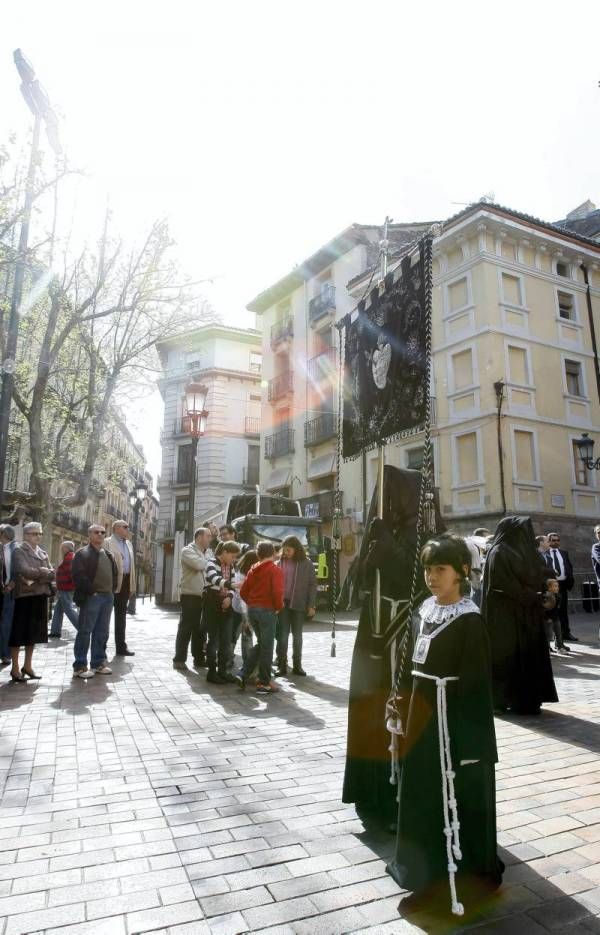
[136, 499]
[585, 445]
[195, 401]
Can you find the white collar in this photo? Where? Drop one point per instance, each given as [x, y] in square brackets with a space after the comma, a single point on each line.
[437, 614]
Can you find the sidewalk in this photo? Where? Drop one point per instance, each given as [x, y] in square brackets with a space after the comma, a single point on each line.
[150, 801]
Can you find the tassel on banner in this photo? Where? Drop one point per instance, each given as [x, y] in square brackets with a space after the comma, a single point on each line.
[333, 647]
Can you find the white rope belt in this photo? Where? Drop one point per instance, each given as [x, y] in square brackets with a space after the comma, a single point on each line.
[451, 822]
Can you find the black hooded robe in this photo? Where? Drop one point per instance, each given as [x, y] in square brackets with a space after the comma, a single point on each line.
[390, 546]
[513, 580]
[459, 648]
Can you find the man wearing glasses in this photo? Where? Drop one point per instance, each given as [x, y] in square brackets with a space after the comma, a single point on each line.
[95, 577]
[119, 546]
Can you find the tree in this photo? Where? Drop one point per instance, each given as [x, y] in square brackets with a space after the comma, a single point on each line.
[84, 335]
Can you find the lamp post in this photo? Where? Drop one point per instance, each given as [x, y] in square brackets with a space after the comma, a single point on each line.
[136, 498]
[585, 444]
[39, 105]
[195, 401]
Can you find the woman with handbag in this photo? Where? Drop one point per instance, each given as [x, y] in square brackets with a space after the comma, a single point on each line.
[34, 576]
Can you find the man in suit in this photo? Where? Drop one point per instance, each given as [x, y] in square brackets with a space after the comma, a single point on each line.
[558, 559]
[8, 546]
[120, 547]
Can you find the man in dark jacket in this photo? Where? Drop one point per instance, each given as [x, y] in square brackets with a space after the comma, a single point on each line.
[95, 578]
[558, 559]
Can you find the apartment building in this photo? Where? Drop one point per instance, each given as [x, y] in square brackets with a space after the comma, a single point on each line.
[228, 361]
[515, 375]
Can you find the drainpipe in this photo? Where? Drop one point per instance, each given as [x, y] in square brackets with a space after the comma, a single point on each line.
[499, 390]
[588, 295]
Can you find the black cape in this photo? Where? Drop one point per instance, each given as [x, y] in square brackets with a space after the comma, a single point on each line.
[390, 545]
[421, 863]
[513, 580]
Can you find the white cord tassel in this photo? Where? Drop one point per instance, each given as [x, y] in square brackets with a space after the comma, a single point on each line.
[451, 822]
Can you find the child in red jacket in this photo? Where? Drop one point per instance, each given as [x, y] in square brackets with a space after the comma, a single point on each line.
[262, 591]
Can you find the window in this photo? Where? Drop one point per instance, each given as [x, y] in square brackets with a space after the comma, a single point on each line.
[255, 362]
[562, 269]
[518, 366]
[462, 369]
[574, 378]
[414, 459]
[182, 505]
[525, 456]
[566, 306]
[467, 462]
[252, 465]
[458, 294]
[184, 464]
[582, 473]
[511, 289]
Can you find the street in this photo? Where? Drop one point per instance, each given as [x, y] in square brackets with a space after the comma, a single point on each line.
[150, 801]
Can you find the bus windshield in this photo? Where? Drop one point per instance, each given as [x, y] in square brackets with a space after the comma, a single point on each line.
[308, 535]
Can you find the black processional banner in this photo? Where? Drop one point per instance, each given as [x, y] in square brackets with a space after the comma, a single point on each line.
[386, 360]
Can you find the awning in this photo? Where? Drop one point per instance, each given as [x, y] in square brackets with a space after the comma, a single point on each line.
[320, 467]
[279, 478]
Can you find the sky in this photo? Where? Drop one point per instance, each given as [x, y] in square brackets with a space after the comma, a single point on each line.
[261, 128]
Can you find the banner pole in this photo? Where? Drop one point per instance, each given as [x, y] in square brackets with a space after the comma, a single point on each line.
[384, 247]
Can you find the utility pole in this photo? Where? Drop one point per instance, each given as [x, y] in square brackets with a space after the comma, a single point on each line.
[39, 105]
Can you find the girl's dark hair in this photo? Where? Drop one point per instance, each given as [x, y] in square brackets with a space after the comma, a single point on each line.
[246, 562]
[449, 549]
[293, 542]
[227, 547]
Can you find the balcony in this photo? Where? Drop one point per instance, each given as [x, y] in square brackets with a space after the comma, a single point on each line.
[321, 304]
[320, 429]
[252, 426]
[281, 443]
[250, 477]
[282, 331]
[280, 386]
[323, 366]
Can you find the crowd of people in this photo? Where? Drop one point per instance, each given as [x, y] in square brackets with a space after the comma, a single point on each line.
[87, 587]
[259, 596]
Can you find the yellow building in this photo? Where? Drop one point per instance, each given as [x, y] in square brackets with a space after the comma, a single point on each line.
[515, 374]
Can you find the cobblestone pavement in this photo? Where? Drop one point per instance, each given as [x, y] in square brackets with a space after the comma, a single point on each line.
[151, 801]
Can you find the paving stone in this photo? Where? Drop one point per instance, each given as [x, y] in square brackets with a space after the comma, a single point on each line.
[149, 919]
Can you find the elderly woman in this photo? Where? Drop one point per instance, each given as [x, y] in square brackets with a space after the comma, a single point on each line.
[33, 574]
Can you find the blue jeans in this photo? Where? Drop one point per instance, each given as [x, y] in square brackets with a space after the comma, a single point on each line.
[93, 624]
[63, 604]
[263, 623]
[8, 609]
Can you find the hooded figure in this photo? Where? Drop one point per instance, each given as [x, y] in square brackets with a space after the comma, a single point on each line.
[390, 546]
[513, 580]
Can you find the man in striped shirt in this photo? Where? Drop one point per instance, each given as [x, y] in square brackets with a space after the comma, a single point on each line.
[218, 615]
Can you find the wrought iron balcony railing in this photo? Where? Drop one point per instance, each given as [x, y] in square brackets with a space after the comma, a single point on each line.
[282, 330]
[281, 385]
[322, 303]
[323, 366]
[252, 425]
[281, 443]
[320, 429]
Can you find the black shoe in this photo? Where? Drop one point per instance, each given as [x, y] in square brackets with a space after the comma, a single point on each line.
[571, 638]
[181, 666]
[298, 670]
[282, 670]
[124, 652]
[54, 636]
[200, 663]
[214, 677]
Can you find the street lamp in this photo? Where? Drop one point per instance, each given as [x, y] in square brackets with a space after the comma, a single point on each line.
[585, 444]
[39, 105]
[195, 401]
[136, 498]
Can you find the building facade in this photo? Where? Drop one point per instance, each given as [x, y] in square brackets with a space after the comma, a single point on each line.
[515, 376]
[228, 361]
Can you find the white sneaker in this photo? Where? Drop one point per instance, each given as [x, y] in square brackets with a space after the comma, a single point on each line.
[84, 674]
[103, 670]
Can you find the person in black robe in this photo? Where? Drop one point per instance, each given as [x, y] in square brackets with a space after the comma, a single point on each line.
[513, 582]
[390, 545]
[446, 851]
